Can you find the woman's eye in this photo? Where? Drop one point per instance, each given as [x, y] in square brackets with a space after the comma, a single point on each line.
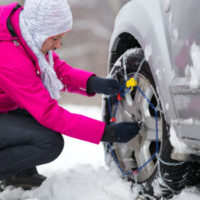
[55, 39]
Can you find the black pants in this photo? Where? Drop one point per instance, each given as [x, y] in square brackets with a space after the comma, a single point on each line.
[24, 143]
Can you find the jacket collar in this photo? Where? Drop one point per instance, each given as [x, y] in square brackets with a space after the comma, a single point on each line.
[9, 25]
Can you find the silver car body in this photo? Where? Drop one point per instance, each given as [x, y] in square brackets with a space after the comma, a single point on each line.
[169, 28]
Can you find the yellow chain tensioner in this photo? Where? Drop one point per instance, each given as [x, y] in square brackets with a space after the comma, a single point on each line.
[131, 83]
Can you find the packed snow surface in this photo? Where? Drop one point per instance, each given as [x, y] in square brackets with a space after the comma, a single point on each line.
[80, 174]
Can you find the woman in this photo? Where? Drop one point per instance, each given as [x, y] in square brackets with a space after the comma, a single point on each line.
[31, 77]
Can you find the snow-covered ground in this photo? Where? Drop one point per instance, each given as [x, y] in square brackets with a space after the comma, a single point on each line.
[80, 174]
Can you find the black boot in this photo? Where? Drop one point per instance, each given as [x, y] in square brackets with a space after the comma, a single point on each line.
[27, 180]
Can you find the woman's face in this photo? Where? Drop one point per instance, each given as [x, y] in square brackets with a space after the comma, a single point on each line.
[52, 43]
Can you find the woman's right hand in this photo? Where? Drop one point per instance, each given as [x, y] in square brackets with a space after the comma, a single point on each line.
[120, 132]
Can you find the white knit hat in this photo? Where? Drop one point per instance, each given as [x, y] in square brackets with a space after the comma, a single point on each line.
[46, 18]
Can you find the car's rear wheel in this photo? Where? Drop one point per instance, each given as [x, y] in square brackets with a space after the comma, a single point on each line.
[139, 150]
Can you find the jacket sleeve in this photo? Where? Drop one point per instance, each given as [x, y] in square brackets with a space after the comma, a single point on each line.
[25, 87]
[73, 79]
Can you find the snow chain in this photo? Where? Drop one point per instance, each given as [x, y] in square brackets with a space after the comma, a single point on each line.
[130, 84]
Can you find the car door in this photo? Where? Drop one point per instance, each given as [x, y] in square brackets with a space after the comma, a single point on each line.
[184, 29]
[184, 24]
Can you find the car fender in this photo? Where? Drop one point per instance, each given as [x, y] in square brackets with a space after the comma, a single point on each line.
[144, 20]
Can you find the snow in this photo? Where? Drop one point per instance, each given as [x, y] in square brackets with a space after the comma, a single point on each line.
[170, 17]
[82, 182]
[193, 72]
[80, 174]
[191, 194]
[189, 121]
[156, 186]
[158, 74]
[167, 5]
[175, 34]
[179, 147]
[148, 52]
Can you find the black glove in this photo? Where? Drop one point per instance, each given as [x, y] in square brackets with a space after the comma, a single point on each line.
[121, 132]
[102, 85]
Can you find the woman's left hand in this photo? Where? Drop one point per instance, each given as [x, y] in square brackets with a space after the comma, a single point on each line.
[102, 85]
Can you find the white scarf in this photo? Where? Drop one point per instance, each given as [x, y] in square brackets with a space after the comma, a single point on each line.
[48, 75]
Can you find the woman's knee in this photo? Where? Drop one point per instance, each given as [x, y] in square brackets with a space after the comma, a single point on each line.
[58, 143]
[53, 145]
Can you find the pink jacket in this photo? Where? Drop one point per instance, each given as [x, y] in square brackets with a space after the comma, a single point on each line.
[21, 85]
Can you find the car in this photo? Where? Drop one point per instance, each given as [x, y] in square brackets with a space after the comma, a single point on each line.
[156, 43]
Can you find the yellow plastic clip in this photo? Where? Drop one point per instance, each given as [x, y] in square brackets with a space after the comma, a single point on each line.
[131, 83]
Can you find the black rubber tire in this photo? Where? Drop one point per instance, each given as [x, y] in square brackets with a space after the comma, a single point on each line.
[177, 177]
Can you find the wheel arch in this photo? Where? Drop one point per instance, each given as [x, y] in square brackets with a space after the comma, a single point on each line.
[122, 43]
[140, 33]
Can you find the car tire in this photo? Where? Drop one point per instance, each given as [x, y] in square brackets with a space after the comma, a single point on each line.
[131, 157]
